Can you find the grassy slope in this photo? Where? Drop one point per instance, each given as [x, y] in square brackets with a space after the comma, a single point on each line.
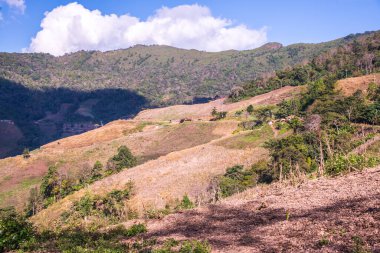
[190, 155]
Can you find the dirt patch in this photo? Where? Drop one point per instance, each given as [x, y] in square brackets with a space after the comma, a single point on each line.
[324, 215]
[348, 86]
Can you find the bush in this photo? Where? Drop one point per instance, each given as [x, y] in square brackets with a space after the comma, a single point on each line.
[15, 230]
[26, 153]
[345, 163]
[136, 230]
[195, 247]
[235, 180]
[186, 203]
[123, 159]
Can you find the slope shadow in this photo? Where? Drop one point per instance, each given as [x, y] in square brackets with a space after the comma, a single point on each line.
[268, 230]
[24, 106]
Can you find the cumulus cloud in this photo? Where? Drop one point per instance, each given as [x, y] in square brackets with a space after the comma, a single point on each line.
[18, 4]
[72, 27]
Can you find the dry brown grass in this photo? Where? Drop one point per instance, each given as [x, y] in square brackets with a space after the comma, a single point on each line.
[175, 159]
[165, 179]
[203, 111]
[285, 218]
[348, 86]
[74, 153]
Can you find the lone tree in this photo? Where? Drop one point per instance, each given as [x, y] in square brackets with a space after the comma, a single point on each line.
[214, 112]
[123, 159]
[26, 153]
[250, 109]
[50, 183]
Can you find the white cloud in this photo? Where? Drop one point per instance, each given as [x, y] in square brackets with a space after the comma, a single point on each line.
[18, 4]
[72, 27]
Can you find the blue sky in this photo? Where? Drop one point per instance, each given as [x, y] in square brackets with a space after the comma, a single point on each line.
[286, 22]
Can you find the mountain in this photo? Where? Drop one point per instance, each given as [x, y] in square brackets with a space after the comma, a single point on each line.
[244, 173]
[45, 98]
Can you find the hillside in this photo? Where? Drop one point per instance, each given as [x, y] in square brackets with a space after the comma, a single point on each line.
[248, 171]
[163, 75]
[323, 215]
[149, 138]
[48, 97]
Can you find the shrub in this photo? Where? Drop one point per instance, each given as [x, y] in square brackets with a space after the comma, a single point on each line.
[250, 109]
[218, 115]
[50, 185]
[345, 163]
[123, 159]
[15, 230]
[195, 247]
[136, 230]
[186, 203]
[26, 153]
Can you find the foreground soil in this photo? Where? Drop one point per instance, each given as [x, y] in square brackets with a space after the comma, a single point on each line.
[324, 215]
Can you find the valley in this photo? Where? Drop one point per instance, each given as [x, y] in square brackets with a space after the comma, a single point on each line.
[286, 161]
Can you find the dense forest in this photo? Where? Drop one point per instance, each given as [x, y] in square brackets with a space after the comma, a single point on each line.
[164, 75]
[358, 57]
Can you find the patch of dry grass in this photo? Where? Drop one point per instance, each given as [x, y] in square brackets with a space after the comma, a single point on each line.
[348, 86]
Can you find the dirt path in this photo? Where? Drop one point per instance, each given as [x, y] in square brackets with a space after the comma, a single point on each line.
[324, 215]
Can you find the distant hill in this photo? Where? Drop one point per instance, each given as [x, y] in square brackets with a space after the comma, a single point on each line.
[51, 97]
[162, 74]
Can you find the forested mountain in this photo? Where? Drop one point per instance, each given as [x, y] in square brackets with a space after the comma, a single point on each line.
[162, 74]
[46, 97]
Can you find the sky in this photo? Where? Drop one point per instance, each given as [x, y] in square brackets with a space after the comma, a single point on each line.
[58, 27]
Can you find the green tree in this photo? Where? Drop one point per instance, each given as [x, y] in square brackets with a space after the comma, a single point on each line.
[96, 172]
[123, 159]
[296, 124]
[50, 183]
[214, 112]
[250, 109]
[26, 153]
[264, 114]
[15, 230]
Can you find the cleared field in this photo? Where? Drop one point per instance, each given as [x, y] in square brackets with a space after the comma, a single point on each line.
[203, 111]
[165, 179]
[325, 215]
[146, 140]
[348, 86]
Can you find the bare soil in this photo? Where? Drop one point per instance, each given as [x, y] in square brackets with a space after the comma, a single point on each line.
[325, 215]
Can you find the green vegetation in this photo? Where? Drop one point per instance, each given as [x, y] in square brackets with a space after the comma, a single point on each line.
[55, 186]
[16, 233]
[357, 57]
[186, 203]
[250, 109]
[110, 208]
[217, 115]
[26, 153]
[123, 159]
[324, 122]
[237, 179]
[15, 230]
